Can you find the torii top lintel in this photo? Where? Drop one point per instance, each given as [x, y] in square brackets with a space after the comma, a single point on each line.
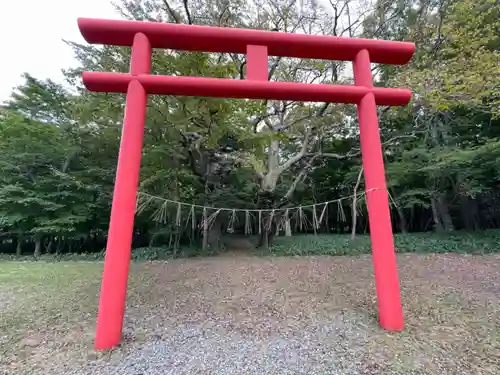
[236, 40]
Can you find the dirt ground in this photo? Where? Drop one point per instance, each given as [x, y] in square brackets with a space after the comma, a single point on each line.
[451, 303]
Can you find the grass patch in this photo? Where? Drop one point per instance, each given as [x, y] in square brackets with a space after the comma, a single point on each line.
[46, 306]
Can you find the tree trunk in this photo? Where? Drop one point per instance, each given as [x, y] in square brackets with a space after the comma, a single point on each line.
[444, 213]
[403, 226]
[215, 235]
[412, 217]
[177, 241]
[38, 247]
[264, 233]
[288, 227]
[266, 229]
[469, 212]
[59, 244]
[435, 216]
[327, 224]
[19, 245]
[48, 248]
[354, 219]
[205, 230]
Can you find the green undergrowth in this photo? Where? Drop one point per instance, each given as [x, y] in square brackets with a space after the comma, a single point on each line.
[138, 254]
[323, 244]
[459, 242]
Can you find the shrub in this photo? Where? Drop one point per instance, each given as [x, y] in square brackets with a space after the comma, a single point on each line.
[336, 244]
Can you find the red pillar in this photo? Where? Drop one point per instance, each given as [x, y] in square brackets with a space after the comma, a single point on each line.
[118, 249]
[384, 257]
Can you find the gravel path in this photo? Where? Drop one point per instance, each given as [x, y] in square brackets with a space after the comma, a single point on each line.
[322, 348]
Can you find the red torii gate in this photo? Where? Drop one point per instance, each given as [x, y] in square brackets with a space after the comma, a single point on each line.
[257, 45]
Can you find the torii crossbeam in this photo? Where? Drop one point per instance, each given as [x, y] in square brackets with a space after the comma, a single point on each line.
[257, 45]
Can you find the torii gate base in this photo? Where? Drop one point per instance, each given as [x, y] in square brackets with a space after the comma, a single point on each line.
[257, 45]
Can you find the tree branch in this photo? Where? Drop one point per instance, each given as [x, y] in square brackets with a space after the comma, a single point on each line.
[337, 156]
[172, 12]
[300, 155]
[188, 15]
[299, 178]
[268, 123]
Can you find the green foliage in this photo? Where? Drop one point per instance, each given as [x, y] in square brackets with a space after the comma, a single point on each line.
[33, 196]
[140, 254]
[471, 243]
[460, 67]
[165, 253]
